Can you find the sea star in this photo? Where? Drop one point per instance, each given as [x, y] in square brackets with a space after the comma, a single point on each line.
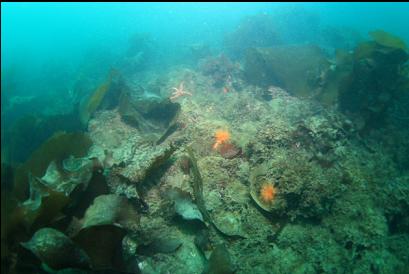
[178, 92]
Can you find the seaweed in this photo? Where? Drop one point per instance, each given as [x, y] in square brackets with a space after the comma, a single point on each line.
[57, 148]
[89, 106]
[159, 245]
[110, 209]
[65, 180]
[374, 84]
[56, 250]
[43, 205]
[11, 218]
[220, 262]
[183, 204]
[52, 194]
[102, 229]
[31, 202]
[197, 185]
[295, 68]
[40, 209]
[103, 244]
[386, 39]
[171, 129]
[155, 117]
[157, 162]
[30, 131]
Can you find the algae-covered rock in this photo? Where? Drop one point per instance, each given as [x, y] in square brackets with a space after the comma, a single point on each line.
[56, 250]
[396, 200]
[291, 185]
[381, 261]
[146, 163]
[312, 245]
[356, 223]
[220, 69]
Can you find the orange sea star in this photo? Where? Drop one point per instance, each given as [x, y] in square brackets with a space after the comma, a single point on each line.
[221, 137]
[268, 192]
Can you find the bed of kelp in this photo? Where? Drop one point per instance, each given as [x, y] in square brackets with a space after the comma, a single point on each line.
[271, 158]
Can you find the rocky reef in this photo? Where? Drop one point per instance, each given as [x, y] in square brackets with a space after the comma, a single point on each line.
[281, 165]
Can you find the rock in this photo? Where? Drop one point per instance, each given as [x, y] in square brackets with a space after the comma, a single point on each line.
[146, 163]
[229, 151]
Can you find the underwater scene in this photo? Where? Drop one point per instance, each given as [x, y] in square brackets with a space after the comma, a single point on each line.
[208, 138]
